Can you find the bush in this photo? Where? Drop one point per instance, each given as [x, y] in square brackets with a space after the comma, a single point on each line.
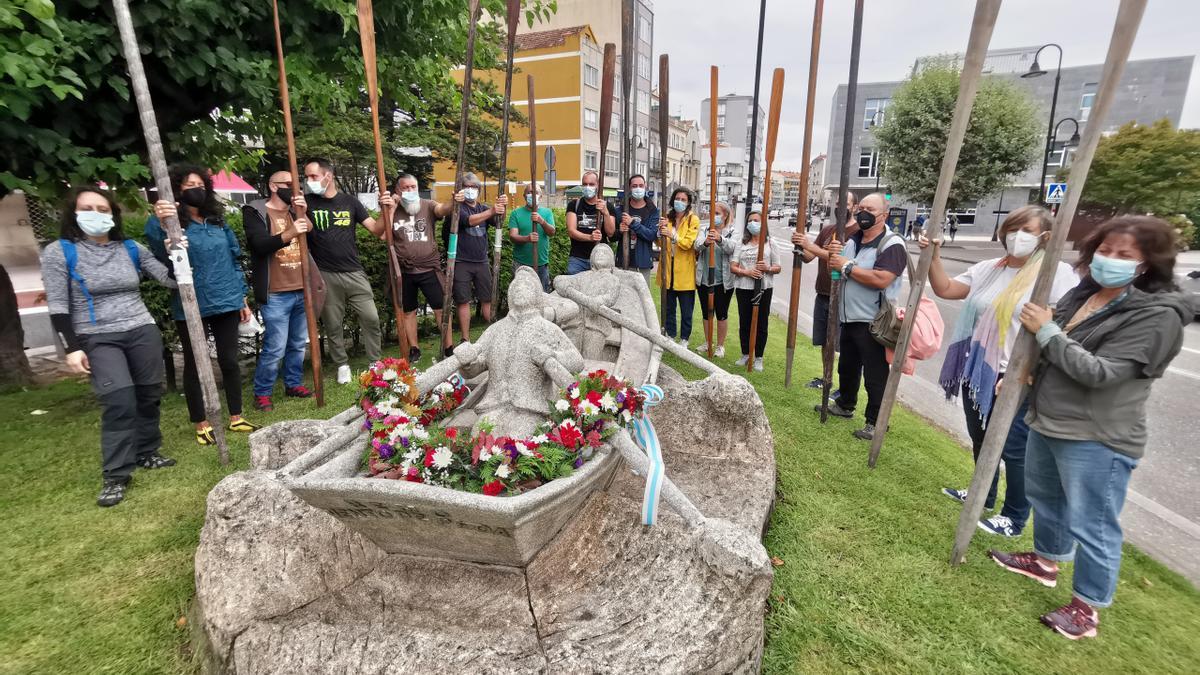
[1185, 228]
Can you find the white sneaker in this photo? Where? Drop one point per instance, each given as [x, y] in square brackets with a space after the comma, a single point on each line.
[742, 361]
[719, 352]
[758, 364]
[344, 374]
[682, 343]
[702, 348]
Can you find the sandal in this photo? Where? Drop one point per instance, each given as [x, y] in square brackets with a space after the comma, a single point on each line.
[242, 425]
[206, 436]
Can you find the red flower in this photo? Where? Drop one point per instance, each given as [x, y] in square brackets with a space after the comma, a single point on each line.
[593, 439]
[569, 436]
[428, 457]
[452, 433]
[594, 398]
[413, 475]
[493, 488]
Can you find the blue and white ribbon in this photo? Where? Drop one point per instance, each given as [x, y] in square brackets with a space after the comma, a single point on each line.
[647, 438]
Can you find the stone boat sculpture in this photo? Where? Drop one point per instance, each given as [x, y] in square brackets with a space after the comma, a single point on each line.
[307, 566]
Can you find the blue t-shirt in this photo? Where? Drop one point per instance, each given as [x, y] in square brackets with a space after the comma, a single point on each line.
[860, 303]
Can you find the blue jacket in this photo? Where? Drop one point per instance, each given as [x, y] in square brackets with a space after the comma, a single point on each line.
[213, 251]
[644, 233]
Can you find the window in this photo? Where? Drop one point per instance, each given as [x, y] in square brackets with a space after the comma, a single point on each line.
[644, 65]
[611, 160]
[1085, 102]
[1060, 155]
[643, 135]
[868, 163]
[590, 159]
[645, 30]
[591, 119]
[720, 109]
[873, 111]
[591, 76]
[639, 167]
[643, 101]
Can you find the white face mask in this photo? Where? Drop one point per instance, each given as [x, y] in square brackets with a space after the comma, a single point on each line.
[314, 187]
[471, 193]
[589, 191]
[1021, 244]
[94, 223]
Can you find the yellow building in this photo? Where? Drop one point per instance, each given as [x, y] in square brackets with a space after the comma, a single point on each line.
[565, 64]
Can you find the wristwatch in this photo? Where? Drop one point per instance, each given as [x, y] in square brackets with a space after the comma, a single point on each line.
[846, 268]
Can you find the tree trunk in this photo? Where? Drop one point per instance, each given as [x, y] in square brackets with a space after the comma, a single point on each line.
[14, 367]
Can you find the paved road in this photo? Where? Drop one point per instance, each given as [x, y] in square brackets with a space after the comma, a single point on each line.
[1162, 512]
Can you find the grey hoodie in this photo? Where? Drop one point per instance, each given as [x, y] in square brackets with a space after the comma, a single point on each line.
[1092, 383]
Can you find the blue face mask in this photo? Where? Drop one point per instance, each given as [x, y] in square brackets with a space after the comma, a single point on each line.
[1111, 272]
[717, 220]
[638, 192]
[528, 200]
[753, 227]
[680, 205]
[410, 196]
[94, 223]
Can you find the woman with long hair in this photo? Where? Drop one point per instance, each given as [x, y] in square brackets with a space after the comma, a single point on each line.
[677, 262]
[213, 252]
[993, 292]
[1101, 348]
[91, 276]
[721, 289]
[754, 275]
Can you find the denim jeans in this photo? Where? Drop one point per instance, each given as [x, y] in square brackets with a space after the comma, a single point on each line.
[1016, 505]
[687, 303]
[543, 272]
[577, 265]
[286, 331]
[1077, 489]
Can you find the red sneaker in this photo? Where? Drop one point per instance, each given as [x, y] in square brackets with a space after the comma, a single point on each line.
[1074, 621]
[263, 403]
[1026, 564]
[298, 392]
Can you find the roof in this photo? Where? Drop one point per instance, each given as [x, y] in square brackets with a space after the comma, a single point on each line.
[548, 38]
[225, 181]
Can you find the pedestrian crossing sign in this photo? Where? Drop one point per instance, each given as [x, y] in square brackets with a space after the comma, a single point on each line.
[1055, 193]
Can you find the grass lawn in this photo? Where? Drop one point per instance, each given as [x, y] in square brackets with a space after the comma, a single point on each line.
[864, 585]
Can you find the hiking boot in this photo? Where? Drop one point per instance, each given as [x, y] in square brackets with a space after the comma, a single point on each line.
[297, 392]
[816, 383]
[343, 374]
[153, 460]
[1001, 525]
[113, 491]
[240, 424]
[1073, 621]
[263, 403]
[206, 436]
[1026, 564]
[866, 433]
[836, 410]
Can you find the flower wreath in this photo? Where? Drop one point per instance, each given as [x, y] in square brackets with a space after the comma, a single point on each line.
[408, 443]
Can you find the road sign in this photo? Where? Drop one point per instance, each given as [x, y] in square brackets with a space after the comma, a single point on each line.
[551, 181]
[549, 157]
[1055, 193]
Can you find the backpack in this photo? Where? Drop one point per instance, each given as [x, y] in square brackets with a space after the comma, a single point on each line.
[71, 254]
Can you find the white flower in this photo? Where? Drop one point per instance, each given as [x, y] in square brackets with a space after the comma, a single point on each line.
[523, 449]
[573, 391]
[419, 433]
[485, 454]
[433, 399]
[567, 424]
[400, 388]
[442, 457]
[412, 456]
[562, 405]
[540, 439]
[503, 471]
[607, 402]
[626, 415]
[388, 375]
[443, 388]
[588, 408]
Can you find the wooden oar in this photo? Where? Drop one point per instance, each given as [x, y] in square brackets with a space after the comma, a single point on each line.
[984, 21]
[310, 315]
[606, 92]
[797, 255]
[514, 18]
[764, 231]
[179, 258]
[665, 260]
[712, 207]
[366, 35]
[1025, 351]
[459, 168]
[533, 193]
[627, 146]
[843, 214]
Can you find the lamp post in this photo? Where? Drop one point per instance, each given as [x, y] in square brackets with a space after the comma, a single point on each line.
[1035, 70]
[876, 120]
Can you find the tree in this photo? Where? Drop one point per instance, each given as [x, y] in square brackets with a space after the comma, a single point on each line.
[1002, 140]
[1145, 169]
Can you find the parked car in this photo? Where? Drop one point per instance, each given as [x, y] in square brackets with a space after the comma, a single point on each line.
[1190, 283]
[791, 221]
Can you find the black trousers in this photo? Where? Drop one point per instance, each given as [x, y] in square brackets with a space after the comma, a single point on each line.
[223, 328]
[127, 376]
[745, 299]
[862, 358]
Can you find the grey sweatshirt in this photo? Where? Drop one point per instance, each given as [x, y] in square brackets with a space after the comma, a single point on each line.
[108, 272]
[1092, 383]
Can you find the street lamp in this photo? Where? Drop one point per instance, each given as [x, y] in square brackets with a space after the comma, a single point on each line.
[1035, 70]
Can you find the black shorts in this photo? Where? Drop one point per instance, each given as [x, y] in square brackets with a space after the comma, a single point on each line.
[472, 281]
[721, 299]
[429, 283]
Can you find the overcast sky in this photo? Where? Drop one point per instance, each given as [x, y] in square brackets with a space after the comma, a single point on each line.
[700, 33]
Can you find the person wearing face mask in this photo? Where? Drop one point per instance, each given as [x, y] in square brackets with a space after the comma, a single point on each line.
[530, 233]
[273, 227]
[752, 273]
[723, 280]
[91, 276]
[677, 263]
[472, 273]
[871, 265]
[1100, 350]
[982, 342]
[332, 241]
[415, 242]
[213, 252]
[589, 222]
[820, 250]
[639, 222]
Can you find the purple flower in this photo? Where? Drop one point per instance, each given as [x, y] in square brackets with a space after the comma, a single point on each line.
[404, 441]
[578, 462]
[366, 424]
[386, 452]
[621, 397]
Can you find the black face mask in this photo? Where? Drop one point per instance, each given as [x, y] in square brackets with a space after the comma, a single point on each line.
[194, 197]
[285, 193]
[864, 219]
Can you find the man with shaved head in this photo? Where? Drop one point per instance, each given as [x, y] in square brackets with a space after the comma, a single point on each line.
[273, 227]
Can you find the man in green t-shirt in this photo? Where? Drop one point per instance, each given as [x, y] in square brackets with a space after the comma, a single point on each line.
[524, 235]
